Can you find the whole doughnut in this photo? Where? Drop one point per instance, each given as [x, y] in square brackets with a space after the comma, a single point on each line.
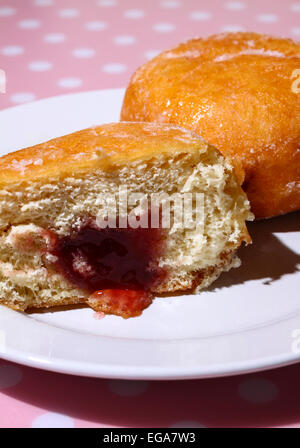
[241, 92]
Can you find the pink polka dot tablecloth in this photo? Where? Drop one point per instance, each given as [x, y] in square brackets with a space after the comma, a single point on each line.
[53, 47]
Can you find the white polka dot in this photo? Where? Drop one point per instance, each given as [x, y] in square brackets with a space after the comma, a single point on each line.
[151, 53]
[128, 388]
[69, 13]
[134, 13]
[187, 424]
[235, 6]
[124, 40]
[96, 26]
[54, 38]
[12, 50]
[170, 4]
[295, 7]
[163, 27]
[106, 3]
[40, 66]
[267, 18]
[29, 24]
[232, 28]
[52, 420]
[83, 53]
[200, 15]
[69, 83]
[114, 68]
[6, 11]
[43, 2]
[22, 97]
[296, 31]
[258, 390]
[9, 376]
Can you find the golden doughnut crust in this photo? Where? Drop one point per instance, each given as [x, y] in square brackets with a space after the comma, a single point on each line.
[107, 147]
[238, 91]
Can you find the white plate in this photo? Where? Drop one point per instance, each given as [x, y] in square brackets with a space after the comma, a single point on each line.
[249, 320]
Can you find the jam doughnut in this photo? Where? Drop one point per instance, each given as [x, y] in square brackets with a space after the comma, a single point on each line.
[239, 91]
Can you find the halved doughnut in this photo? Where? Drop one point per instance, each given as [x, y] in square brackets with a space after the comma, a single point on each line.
[57, 246]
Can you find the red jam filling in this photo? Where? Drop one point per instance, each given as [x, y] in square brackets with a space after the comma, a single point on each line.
[120, 262]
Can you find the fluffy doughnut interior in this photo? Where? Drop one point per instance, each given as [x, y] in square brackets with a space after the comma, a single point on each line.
[31, 212]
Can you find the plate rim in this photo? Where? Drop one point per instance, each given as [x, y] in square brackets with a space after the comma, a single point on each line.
[142, 374]
[63, 95]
